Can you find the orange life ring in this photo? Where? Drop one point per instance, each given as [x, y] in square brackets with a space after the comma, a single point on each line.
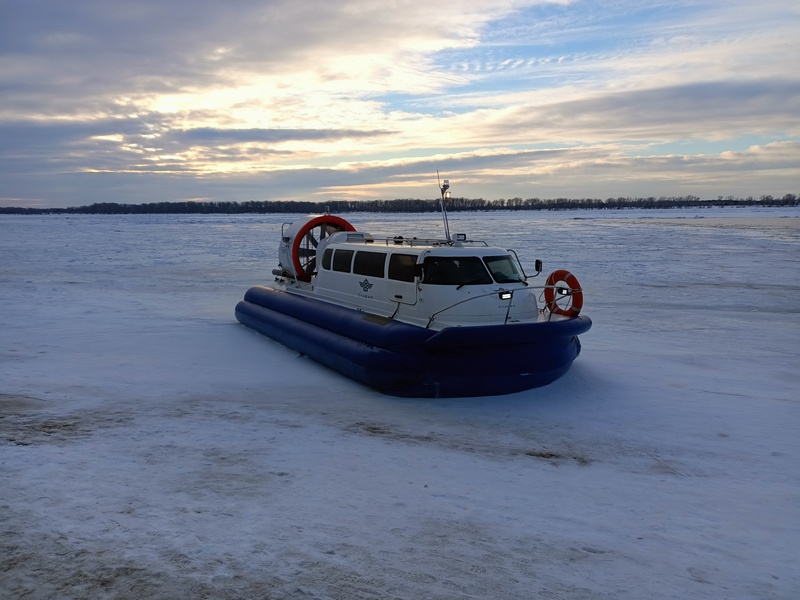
[332, 222]
[575, 293]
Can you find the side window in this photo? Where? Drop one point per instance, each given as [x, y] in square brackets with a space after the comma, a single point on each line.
[342, 259]
[369, 263]
[441, 270]
[326, 258]
[401, 267]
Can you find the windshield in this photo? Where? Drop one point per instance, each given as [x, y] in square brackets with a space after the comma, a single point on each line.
[503, 269]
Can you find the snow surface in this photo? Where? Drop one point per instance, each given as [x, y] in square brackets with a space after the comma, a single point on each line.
[152, 447]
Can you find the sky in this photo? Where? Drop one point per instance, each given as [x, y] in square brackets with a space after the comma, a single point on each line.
[152, 101]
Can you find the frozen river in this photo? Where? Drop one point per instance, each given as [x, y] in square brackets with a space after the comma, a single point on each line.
[152, 447]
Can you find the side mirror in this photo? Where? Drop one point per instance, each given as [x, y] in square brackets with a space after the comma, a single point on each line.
[537, 265]
[418, 271]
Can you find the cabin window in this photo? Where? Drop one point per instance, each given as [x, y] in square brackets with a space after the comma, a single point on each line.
[342, 259]
[503, 269]
[369, 263]
[401, 267]
[450, 270]
[326, 258]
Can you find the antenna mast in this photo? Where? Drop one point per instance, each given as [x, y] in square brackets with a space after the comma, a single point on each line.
[445, 189]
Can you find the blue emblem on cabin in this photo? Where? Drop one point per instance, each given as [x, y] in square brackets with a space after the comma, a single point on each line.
[365, 285]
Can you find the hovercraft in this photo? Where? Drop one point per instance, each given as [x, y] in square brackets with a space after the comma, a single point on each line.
[413, 317]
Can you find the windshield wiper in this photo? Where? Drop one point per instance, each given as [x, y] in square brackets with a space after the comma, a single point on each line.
[473, 282]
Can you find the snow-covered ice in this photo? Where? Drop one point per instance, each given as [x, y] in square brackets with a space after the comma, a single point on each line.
[152, 447]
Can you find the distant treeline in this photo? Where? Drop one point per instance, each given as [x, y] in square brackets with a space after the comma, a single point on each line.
[404, 205]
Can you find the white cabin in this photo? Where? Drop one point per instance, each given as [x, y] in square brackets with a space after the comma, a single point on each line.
[429, 283]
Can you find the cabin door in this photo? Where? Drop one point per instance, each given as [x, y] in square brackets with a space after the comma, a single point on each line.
[400, 283]
[402, 291]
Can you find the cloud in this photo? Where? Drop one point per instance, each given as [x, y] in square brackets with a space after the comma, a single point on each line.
[153, 47]
[207, 135]
[711, 110]
[590, 171]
